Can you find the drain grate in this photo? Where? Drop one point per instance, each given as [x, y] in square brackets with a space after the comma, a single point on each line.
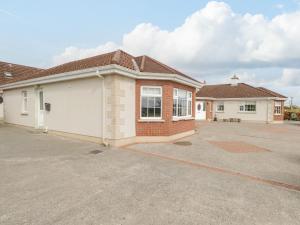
[95, 152]
[183, 143]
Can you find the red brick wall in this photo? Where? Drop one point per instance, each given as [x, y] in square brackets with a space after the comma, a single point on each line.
[279, 117]
[168, 127]
[209, 110]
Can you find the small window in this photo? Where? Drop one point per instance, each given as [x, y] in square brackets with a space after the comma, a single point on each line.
[182, 103]
[151, 106]
[24, 102]
[277, 108]
[220, 107]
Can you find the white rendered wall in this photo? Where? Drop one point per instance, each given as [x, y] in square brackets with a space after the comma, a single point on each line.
[13, 107]
[264, 111]
[75, 106]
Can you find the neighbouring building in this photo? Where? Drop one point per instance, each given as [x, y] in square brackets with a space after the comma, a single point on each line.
[114, 98]
[239, 101]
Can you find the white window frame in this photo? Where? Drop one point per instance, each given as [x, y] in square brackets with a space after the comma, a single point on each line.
[151, 95]
[24, 107]
[219, 104]
[277, 104]
[243, 105]
[189, 99]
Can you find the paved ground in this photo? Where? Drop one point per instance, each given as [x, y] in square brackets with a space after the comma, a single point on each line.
[51, 180]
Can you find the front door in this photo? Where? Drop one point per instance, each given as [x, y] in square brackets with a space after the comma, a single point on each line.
[200, 110]
[40, 109]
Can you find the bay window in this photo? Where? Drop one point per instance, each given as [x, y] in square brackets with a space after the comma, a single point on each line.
[277, 108]
[182, 103]
[151, 98]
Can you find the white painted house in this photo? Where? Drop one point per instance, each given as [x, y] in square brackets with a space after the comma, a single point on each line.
[239, 101]
[114, 98]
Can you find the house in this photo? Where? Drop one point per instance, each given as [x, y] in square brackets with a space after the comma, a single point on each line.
[113, 98]
[239, 101]
[9, 72]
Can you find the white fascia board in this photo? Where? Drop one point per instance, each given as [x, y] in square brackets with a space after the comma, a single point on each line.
[280, 99]
[245, 99]
[103, 70]
[205, 98]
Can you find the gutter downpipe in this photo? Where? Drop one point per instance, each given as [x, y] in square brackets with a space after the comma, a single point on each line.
[104, 142]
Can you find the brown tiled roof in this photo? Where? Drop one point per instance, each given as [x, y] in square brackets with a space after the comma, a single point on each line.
[275, 94]
[18, 72]
[119, 57]
[241, 90]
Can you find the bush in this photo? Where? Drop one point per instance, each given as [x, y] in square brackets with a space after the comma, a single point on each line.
[294, 116]
[287, 115]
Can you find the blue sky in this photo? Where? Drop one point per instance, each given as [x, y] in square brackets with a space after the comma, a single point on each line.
[37, 33]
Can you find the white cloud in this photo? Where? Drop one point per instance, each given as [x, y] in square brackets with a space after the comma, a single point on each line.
[214, 36]
[74, 53]
[279, 6]
[290, 77]
[8, 13]
[215, 39]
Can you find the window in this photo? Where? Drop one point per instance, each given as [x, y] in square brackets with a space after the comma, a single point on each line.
[182, 103]
[248, 107]
[277, 108]
[151, 102]
[220, 106]
[24, 102]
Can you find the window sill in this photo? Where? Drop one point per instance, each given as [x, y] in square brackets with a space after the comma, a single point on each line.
[24, 113]
[183, 118]
[248, 112]
[219, 111]
[151, 121]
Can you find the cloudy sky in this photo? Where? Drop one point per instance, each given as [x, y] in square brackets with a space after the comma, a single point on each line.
[210, 40]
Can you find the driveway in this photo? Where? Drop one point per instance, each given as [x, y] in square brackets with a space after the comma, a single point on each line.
[224, 174]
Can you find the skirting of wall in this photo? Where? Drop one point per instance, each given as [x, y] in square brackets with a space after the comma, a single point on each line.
[114, 142]
[125, 141]
[76, 136]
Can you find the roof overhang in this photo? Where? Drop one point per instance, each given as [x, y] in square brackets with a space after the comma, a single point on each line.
[103, 70]
[241, 99]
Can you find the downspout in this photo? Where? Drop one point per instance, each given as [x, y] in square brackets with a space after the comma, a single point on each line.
[103, 109]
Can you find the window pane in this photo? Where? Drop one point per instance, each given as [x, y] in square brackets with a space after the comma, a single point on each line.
[151, 91]
[41, 100]
[157, 112]
[144, 106]
[150, 112]
[204, 106]
[182, 93]
[157, 102]
[151, 102]
[175, 106]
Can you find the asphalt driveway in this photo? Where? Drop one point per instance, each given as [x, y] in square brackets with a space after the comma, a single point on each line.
[53, 180]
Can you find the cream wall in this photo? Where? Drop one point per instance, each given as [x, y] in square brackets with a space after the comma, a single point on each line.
[264, 111]
[75, 106]
[13, 107]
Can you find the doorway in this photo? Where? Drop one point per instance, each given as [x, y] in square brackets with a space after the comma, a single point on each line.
[200, 110]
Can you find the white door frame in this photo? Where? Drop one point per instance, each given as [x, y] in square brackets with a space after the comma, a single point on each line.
[200, 113]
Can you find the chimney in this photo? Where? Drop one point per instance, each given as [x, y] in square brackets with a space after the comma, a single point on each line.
[234, 80]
